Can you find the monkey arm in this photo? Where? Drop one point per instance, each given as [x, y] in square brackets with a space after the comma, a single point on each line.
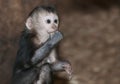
[41, 53]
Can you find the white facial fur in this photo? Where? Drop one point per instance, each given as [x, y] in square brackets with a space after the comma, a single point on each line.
[45, 23]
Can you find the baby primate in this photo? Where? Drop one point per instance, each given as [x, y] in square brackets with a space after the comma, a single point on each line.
[34, 61]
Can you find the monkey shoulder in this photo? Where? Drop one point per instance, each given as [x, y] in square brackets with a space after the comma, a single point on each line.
[25, 51]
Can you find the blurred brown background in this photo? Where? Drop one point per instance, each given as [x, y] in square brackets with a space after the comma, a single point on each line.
[91, 42]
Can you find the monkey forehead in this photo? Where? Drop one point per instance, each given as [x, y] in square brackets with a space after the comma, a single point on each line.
[47, 15]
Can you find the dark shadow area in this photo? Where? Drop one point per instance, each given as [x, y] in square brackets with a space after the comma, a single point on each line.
[94, 5]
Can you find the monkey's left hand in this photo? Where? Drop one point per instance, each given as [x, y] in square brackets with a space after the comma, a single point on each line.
[67, 67]
[63, 66]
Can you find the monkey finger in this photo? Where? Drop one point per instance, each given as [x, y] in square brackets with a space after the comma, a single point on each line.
[56, 38]
[68, 70]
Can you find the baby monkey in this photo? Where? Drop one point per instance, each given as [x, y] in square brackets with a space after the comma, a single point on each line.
[36, 59]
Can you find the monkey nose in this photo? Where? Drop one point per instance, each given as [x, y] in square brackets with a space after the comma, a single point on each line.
[54, 27]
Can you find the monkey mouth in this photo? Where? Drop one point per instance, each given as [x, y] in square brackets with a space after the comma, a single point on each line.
[54, 28]
[52, 31]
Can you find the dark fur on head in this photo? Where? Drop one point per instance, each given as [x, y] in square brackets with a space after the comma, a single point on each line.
[51, 9]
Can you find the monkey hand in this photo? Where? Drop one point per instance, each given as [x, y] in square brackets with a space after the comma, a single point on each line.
[63, 66]
[68, 69]
[55, 38]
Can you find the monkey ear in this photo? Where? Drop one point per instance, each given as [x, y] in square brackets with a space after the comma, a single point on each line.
[29, 23]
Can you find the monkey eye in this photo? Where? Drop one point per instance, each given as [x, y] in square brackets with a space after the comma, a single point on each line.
[55, 21]
[48, 21]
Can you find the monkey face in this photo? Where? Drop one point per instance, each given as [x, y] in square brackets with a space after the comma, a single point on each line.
[43, 22]
[49, 22]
